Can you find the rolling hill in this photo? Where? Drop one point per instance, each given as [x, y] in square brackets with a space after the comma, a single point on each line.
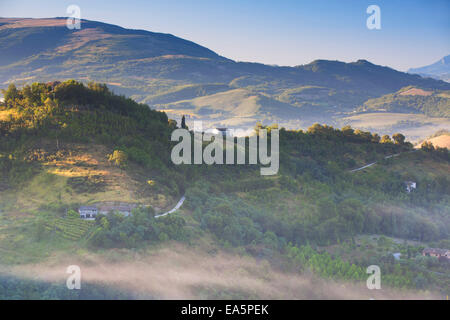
[439, 139]
[442, 141]
[435, 103]
[170, 73]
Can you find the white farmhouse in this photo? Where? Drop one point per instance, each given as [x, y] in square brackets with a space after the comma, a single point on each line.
[88, 212]
[410, 185]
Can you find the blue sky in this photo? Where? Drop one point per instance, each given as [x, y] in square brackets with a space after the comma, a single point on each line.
[284, 32]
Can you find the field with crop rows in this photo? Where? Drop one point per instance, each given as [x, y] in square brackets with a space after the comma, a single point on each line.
[69, 228]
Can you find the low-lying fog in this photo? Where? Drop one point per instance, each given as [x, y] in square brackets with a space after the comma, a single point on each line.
[181, 272]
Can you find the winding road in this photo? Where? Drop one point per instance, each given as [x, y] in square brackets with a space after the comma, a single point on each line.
[178, 205]
[181, 201]
[371, 164]
[387, 157]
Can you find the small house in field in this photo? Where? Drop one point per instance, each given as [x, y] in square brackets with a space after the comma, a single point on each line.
[410, 185]
[436, 252]
[88, 212]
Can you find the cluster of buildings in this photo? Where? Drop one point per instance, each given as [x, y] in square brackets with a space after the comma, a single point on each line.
[436, 252]
[90, 212]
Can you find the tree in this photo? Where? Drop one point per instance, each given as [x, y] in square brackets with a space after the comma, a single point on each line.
[376, 138]
[119, 158]
[72, 214]
[347, 131]
[398, 138]
[172, 124]
[10, 94]
[183, 122]
[386, 139]
[322, 130]
[427, 146]
[258, 127]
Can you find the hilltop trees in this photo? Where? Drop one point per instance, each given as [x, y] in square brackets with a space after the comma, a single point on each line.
[427, 146]
[398, 138]
[71, 111]
[376, 138]
[172, 124]
[347, 131]
[386, 139]
[10, 95]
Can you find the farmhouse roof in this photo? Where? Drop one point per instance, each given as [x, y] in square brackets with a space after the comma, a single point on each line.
[88, 208]
[436, 251]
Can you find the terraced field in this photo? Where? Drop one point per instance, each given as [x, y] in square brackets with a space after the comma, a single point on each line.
[70, 228]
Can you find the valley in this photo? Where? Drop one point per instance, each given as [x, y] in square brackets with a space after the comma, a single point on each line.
[86, 123]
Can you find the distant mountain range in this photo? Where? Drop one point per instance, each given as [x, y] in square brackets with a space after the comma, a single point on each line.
[182, 77]
[438, 70]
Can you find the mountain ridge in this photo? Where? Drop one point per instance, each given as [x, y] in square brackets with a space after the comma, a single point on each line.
[438, 70]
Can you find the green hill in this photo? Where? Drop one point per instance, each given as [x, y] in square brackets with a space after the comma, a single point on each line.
[185, 92]
[434, 103]
[235, 107]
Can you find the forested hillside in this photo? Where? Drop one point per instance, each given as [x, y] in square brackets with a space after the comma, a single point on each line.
[80, 143]
[412, 100]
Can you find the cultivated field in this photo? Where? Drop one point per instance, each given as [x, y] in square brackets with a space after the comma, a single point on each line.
[414, 126]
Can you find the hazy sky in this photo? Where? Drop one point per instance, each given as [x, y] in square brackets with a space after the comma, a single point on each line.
[284, 32]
